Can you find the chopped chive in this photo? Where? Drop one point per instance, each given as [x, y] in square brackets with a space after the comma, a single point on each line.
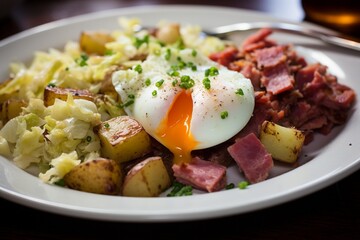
[224, 114]
[128, 103]
[212, 71]
[82, 61]
[168, 54]
[180, 189]
[186, 82]
[139, 41]
[206, 82]
[147, 82]
[230, 186]
[240, 92]
[194, 53]
[159, 83]
[138, 68]
[243, 184]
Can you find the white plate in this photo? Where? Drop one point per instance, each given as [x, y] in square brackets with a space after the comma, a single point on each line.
[324, 162]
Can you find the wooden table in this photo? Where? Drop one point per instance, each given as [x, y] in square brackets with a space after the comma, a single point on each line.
[331, 213]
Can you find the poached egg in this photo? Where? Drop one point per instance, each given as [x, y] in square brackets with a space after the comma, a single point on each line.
[184, 100]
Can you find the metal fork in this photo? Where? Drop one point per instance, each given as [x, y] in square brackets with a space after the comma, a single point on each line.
[337, 40]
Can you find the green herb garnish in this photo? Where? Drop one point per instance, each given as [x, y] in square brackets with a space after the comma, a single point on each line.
[139, 41]
[138, 68]
[159, 83]
[82, 60]
[206, 82]
[243, 184]
[212, 71]
[240, 92]
[180, 189]
[224, 114]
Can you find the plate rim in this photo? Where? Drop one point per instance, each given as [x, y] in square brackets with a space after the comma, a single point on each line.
[75, 211]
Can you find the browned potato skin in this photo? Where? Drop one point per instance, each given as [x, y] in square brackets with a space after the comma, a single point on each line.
[94, 42]
[11, 108]
[123, 139]
[148, 178]
[51, 93]
[102, 176]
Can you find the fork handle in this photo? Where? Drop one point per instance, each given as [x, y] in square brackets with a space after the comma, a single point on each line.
[287, 27]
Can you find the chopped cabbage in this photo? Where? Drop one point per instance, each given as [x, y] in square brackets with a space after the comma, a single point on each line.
[60, 167]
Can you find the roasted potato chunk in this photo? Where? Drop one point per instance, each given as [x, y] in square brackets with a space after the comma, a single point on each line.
[123, 139]
[283, 143]
[94, 42]
[148, 178]
[11, 108]
[51, 93]
[103, 176]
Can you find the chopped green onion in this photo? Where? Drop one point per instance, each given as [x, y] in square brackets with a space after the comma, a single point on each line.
[159, 83]
[82, 61]
[224, 114]
[192, 66]
[180, 189]
[206, 82]
[240, 92]
[230, 186]
[138, 68]
[60, 182]
[139, 41]
[147, 82]
[154, 93]
[128, 103]
[51, 85]
[168, 54]
[174, 73]
[186, 82]
[194, 53]
[212, 71]
[243, 184]
[106, 125]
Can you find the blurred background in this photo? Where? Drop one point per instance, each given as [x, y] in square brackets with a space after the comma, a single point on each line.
[343, 16]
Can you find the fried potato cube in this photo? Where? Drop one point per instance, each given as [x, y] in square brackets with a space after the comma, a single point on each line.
[148, 178]
[51, 93]
[94, 42]
[11, 108]
[283, 143]
[102, 176]
[123, 139]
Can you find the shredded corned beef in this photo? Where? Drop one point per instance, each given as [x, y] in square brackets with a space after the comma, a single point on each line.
[288, 92]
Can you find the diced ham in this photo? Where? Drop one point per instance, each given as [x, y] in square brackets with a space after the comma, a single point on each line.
[277, 79]
[257, 40]
[201, 174]
[252, 158]
[270, 57]
[225, 57]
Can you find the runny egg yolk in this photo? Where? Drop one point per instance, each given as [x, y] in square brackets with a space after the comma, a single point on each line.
[174, 129]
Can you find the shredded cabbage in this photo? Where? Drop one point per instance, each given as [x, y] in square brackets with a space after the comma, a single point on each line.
[58, 137]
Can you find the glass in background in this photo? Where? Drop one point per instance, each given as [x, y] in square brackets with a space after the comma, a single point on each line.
[340, 15]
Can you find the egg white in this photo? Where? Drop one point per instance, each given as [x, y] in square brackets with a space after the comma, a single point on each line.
[207, 126]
